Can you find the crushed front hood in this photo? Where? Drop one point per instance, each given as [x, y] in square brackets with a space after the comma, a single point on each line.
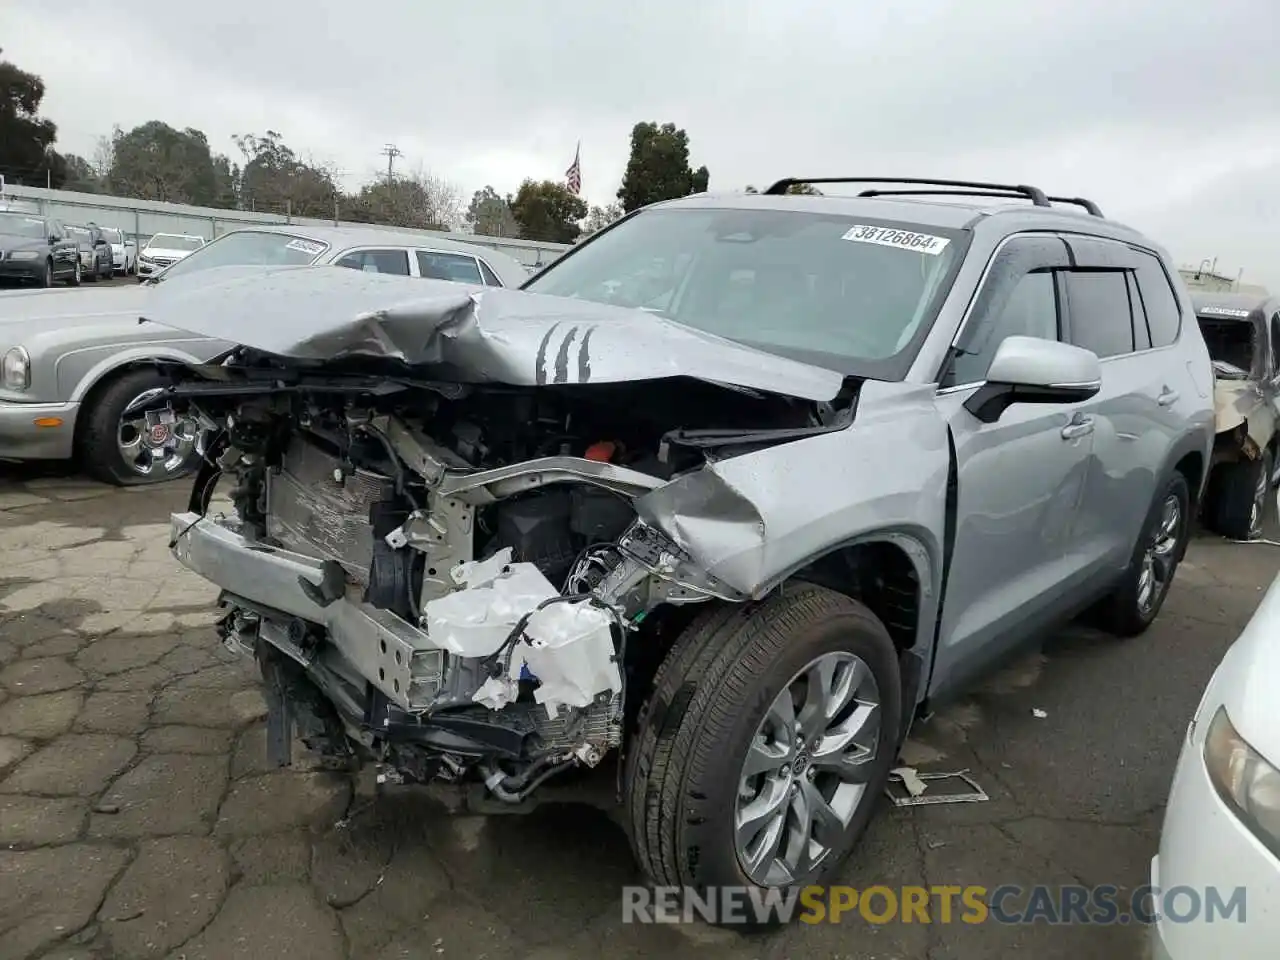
[473, 334]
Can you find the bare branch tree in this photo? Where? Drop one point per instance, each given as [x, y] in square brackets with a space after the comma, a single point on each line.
[443, 198]
[104, 154]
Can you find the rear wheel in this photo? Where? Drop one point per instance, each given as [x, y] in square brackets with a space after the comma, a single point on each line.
[1133, 607]
[1238, 497]
[126, 449]
[766, 744]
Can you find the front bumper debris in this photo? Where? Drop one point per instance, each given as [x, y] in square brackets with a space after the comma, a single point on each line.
[401, 662]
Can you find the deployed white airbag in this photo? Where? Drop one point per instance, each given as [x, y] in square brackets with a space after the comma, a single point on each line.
[566, 647]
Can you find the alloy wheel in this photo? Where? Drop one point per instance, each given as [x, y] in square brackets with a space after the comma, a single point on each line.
[1161, 556]
[156, 447]
[806, 770]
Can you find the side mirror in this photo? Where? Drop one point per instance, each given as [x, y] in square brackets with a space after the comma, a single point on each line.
[53, 238]
[1033, 370]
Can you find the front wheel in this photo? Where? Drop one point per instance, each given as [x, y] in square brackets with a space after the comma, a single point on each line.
[1137, 599]
[125, 448]
[76, 275]
[47, 279]
[765, 746]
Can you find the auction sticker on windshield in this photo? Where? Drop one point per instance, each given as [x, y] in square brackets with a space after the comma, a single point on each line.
[305, 246]
[902, 239]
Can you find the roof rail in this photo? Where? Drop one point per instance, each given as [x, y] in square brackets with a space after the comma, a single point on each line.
[1090, 207]
[960, 188]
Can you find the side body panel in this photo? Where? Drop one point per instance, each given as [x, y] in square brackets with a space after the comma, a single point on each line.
[755, 519]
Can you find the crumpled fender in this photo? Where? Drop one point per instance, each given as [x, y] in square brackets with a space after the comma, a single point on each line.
[755, 519]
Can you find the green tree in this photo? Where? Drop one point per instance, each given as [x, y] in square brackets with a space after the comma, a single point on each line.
[801, 189]
[546, 210]
[26, 139]
[489, 214]
[659, 167]
[275, 179]
[80, 175]
[600, 217]
[155, 161]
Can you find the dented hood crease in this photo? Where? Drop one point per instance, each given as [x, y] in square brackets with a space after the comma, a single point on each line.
[479, 334]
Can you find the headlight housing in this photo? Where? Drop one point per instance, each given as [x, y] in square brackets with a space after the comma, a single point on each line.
[15, 369]
[1244, 779]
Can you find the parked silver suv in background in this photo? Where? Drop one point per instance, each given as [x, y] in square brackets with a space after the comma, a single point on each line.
[750, 480]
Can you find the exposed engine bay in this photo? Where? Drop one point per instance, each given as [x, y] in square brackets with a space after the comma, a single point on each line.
[451, 579]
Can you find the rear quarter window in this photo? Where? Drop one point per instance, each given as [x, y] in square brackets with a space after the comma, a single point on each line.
[1164, 316]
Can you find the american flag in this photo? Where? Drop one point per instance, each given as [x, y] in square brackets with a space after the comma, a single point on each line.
[573, 175]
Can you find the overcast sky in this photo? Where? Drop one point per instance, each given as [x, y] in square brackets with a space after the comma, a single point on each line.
[1166, 112]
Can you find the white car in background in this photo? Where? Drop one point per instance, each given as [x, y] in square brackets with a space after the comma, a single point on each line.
[1221, 830]
[166, 248]
[124, 252]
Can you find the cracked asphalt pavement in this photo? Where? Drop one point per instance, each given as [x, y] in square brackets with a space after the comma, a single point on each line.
[138, 818]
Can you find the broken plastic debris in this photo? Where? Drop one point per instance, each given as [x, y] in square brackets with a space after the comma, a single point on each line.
[570, 650]
[974, 793]
[481, 573]
[1038, 713]
[915, 786]
[496, 692]
[474, 622]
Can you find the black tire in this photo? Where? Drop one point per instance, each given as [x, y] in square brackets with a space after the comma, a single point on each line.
[710, 695]
[47, 279]
[1121, 614]
[1233, 490]
[75, 278]
[98, 450]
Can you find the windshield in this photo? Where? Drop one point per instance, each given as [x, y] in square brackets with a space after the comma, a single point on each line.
[830, 289]
[251, 248]
[112, 236]
[19, 226]
[169, 241]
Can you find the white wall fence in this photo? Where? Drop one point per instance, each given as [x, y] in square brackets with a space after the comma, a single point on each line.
[142, 218]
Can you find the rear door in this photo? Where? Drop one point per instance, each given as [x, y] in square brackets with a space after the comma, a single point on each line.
[1019, 480]
[377, 260]
[449, 265]
[1137, 415]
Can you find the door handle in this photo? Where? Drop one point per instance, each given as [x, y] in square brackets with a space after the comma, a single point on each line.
[1077, 428]
[1167, 397]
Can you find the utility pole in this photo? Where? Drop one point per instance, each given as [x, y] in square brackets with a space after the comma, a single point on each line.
[391, 151]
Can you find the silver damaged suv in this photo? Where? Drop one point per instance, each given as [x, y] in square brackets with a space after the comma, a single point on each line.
[730, 493]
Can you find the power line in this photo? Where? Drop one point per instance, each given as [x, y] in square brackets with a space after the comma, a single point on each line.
[391, 151]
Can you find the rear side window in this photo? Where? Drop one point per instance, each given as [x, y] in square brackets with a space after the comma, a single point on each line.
[1275, 344]
[1141, 332]
[448, 266]
[1164, 317]
[378, 261]
[1100, 318]
[490, 277]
